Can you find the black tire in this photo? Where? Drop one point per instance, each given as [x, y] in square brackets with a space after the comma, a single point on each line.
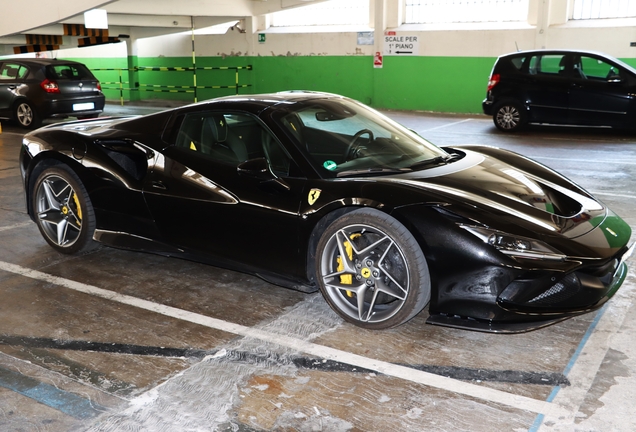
[383, 281]
[63, 211]
[509, 117]
[88, 117]
[25, 115]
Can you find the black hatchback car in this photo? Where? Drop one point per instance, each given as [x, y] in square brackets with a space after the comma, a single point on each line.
[561, 87]
[32, 90]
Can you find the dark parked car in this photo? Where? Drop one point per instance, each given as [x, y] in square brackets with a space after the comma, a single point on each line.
[316, 191]
[561, 87]
[32, 90]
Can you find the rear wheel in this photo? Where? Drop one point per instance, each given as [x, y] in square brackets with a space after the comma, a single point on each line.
[63, 210]
[509, 117]
[371, 270]
[25, 115]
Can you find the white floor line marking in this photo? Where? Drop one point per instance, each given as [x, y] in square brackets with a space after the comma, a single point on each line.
[14, 226]
[590, 359]
[613, 194]
[386, 368]
[447, 125]
[592, 161]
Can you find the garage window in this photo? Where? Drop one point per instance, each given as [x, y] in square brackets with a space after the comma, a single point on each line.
[333, 12]
[464, 11]
[595, 9]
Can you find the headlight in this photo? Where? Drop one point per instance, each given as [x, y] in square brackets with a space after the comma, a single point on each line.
[516, 246]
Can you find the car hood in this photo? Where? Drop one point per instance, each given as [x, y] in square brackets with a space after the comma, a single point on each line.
[508, 189]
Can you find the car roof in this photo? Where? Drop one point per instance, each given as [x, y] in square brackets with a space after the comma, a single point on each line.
[269, 99]
[38, 61]
[291, 95]
[570, 51]
[558, 51]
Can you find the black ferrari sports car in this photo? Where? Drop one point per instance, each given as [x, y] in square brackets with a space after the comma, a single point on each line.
[316, 191]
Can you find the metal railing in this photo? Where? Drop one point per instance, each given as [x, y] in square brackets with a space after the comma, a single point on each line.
[124, 86]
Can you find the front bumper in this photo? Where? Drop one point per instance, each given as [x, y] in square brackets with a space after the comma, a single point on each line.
[532, 318]
[478, 287]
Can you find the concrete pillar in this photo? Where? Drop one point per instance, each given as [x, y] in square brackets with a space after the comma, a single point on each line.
[379, 16]
[547, 13]
[132, 64]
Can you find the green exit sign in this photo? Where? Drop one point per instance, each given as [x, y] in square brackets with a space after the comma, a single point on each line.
[261, 38]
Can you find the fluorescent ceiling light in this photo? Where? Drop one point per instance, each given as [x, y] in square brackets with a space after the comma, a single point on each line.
[96, 19]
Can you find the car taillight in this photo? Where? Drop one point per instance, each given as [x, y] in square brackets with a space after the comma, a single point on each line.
[493, 81]
[99, 86]
[50, 86]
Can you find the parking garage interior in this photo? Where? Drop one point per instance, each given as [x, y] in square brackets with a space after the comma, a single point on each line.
[114, 340]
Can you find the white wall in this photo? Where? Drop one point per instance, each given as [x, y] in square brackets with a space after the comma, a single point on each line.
[547, 27]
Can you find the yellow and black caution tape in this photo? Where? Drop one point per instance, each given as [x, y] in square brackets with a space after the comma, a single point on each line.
[80, 30]
[34, 39]
[34, 48]
[187, 69]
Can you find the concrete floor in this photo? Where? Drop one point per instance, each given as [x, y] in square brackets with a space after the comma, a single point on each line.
[123, 341]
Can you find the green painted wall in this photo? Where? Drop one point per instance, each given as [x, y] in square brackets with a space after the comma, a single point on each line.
[443, 84]
[446, 84]
[350, 76]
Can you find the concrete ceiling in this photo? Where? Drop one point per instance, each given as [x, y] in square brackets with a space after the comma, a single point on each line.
[142, 18]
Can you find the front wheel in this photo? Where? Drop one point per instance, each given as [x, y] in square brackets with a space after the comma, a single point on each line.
[371, 270]
[509, 117]
[63, 211]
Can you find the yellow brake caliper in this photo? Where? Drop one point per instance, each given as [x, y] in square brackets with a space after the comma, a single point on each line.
[347, 279]
[79, 209]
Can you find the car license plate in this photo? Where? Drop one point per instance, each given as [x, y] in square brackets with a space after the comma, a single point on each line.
[83, 106]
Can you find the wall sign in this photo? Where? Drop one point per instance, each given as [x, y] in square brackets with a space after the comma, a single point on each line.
[400, 44]
[377, 60]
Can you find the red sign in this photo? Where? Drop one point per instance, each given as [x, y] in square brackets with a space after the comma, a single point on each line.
[377, 60]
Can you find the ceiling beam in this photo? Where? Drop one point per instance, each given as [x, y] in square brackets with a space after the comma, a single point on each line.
[12, 22]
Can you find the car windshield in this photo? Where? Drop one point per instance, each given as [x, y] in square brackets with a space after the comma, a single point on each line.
[345, 138]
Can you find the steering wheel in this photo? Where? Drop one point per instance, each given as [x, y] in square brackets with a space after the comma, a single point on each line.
[354, 145]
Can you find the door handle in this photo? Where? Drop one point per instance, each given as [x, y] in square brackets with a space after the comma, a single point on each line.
[159, 185]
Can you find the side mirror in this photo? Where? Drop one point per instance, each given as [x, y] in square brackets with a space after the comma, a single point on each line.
[259, 169]
[256, 168]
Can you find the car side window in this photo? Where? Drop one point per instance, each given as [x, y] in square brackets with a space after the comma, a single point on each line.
[230, 139]
[547, 64]
[598, 69]
[12, 71]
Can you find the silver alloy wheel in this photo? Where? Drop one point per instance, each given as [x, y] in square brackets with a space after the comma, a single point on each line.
[366, 274]
[58, 211]
[508, 117]
[24, 114]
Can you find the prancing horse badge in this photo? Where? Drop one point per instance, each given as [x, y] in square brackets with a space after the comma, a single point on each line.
[314, 194]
